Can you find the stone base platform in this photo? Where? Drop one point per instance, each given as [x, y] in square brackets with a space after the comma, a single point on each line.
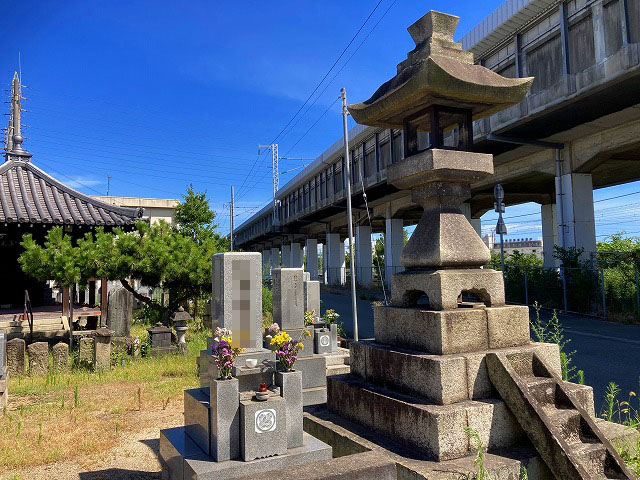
[182, 459]
[350, 440]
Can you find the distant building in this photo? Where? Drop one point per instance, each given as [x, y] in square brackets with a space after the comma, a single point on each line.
[523, 245]
[155, 209]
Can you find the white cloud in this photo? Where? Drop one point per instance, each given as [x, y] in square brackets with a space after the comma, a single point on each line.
[80, 182]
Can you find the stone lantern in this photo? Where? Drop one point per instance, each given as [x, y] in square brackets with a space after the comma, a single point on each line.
[180, 321]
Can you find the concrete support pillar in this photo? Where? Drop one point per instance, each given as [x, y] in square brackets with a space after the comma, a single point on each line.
[325, 257]
[275, 257]
[576, 201]
[286, 256]
[333, 261]
[343, 264]
[476, 223]
[311, 247]
[266, 262]
[393, 246]
[549, 233]
[297, 260]
[364, 256]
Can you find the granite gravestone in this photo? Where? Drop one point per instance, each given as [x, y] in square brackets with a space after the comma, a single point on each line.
[237, 297]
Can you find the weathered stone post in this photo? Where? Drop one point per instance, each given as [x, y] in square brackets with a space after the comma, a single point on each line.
[38, 358]
[60, 356]
[119, 308]
[102, 349]
[16, 356]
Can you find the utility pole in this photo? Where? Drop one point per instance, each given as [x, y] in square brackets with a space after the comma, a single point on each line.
[354, 306]
[274, 172]
[231, 221]
[108, 184]
[501, 228]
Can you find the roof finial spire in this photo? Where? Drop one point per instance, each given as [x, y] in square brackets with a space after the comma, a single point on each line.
[14, 136]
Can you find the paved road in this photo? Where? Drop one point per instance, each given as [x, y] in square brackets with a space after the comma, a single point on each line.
[605, 351]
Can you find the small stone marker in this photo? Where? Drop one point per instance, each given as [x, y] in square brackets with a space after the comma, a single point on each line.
[322, 340]
[288, 298]
[263, 428]
[16, 356]
[85, 355]
[120, 309]
[237, 296]
[102, 349]
[38, 358]
[60, 356]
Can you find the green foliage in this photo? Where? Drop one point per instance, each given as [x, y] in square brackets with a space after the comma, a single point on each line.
[267, 307]
[523, 474]
[610, 401]
[478, 462]
[330, 316]
[57, 260]
[553, 332]
[195, 219]
[160, 256]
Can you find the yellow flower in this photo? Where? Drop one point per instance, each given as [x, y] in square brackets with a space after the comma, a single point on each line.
[301, 345]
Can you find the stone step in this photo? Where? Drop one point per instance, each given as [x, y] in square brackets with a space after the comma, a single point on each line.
[563, 432]
[567, 421]
[314, 396]
[437, 431]
[592, 455]
[338, 369]
[340, 357]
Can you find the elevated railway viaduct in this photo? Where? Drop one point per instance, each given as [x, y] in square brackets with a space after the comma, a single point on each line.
[578, 129]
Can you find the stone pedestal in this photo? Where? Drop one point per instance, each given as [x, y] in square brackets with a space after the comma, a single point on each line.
[16, 356]
[102, 349]
[38, 358]
[290, 384]
[263, 428]
[160, 336]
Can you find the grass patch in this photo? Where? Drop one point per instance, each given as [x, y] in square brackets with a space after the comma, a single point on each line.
[61, 415]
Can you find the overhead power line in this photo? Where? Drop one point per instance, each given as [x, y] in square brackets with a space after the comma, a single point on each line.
[316, 88]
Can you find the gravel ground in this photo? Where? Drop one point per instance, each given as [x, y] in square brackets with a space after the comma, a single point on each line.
[134, 458]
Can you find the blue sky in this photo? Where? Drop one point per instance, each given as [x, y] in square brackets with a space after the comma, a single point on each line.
[160, 94]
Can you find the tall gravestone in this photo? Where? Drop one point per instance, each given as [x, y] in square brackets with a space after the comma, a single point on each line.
[236, 304]
[120, 309]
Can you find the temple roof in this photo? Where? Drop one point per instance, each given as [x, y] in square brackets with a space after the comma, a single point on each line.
[30, 195]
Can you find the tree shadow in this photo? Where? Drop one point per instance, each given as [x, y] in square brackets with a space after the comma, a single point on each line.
[119, 474]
